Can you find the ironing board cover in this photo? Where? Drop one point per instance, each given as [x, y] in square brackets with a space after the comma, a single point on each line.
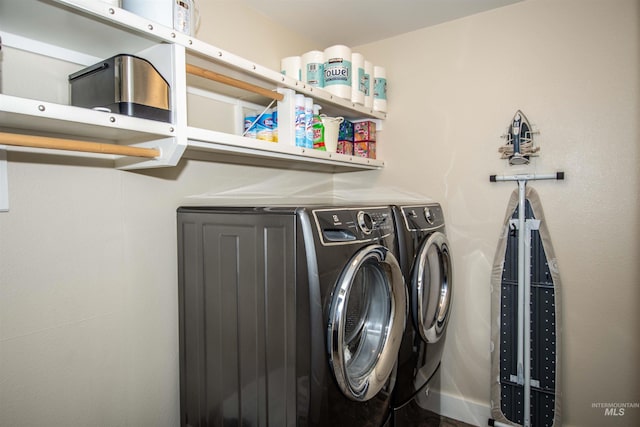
[506, 395]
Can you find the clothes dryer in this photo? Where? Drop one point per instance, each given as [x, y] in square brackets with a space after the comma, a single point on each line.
[425, 258]
[289, 316]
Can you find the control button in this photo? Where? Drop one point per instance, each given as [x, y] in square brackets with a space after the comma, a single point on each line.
[365, 222]
[428, 215]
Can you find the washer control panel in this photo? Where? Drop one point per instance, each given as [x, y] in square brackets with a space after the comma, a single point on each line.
[423, 217]
[352, 225]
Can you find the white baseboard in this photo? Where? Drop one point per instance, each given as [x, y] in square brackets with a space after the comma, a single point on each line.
[456, 407]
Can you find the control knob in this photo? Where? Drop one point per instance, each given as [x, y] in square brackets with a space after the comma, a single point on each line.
[428, 215]
[365, 222]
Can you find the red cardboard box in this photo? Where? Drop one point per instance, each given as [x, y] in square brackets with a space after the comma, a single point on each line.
[345, 147]
[365, 149]
[364, 131]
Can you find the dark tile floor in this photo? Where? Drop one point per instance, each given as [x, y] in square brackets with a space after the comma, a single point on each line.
[412, 415]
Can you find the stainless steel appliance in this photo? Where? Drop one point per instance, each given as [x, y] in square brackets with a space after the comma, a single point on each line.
[123, 84]
[288, 315]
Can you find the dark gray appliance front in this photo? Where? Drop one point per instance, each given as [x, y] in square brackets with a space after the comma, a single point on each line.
[237, 303]
[427, 264]
[279, 308]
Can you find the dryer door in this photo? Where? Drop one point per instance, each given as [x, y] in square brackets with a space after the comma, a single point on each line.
[431, 289]
[366, 322]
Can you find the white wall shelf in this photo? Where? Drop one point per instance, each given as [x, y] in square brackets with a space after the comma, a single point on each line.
[83, 32]
[225, 147]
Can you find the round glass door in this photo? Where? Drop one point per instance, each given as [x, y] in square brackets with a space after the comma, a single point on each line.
[366, 322]
[431, 287]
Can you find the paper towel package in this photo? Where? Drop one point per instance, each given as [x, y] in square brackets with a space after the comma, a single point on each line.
[337, 71]
[179, 15]
[312, 66]
[264, 127]
[358, 88]
[368, 84]
[250, 128]
[379, 89]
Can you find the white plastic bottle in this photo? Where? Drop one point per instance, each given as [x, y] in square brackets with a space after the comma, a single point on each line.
[299, 125]
[308, 119]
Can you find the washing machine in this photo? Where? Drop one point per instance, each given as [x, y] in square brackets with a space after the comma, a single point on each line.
[288, 316]
[425, 259]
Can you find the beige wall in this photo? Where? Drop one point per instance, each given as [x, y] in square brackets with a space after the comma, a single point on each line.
[88, 301]
[88, 272]
[229, 25]
[573, 68]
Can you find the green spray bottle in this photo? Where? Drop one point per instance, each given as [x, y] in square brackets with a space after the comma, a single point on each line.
[318, 129]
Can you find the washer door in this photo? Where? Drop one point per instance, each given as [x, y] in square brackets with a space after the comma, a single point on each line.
[431, 289]
[366, 322]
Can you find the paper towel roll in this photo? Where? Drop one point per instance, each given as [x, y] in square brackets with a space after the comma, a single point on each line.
[358, 83]
[312, 65]
[337, 70]
[379, 89]
[290, 66]
[368, 76]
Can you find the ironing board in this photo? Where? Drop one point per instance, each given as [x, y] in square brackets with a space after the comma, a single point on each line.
[510, 386]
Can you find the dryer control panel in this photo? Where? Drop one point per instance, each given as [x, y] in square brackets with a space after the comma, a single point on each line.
[423, 217]
[353, 225]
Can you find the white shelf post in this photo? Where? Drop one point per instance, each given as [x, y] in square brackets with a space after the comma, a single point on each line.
[286, 116]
